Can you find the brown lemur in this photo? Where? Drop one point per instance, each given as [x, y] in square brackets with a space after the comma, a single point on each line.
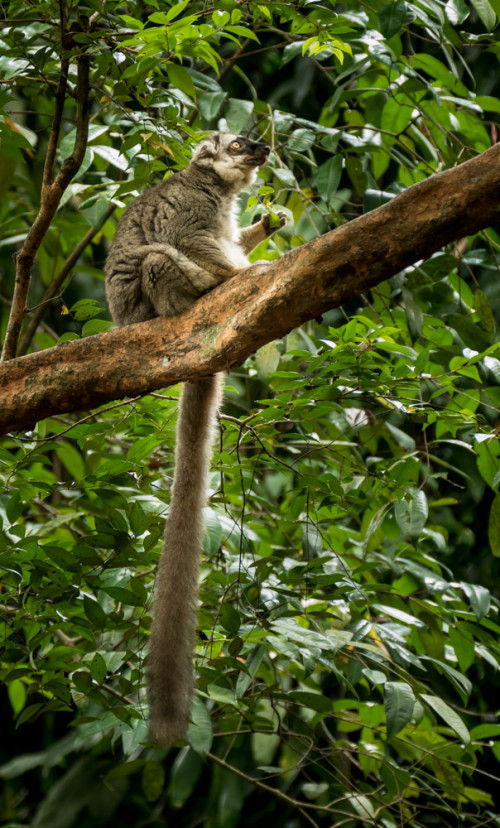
[174, 243]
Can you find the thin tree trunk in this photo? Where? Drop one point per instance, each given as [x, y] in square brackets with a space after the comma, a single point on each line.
[52, 192]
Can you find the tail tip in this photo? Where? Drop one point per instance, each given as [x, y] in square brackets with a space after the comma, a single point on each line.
[167, 732]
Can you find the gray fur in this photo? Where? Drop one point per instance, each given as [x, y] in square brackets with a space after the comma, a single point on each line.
[175, 242]
[180, 238]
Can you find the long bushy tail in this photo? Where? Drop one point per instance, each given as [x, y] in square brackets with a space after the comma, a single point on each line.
[171, 643]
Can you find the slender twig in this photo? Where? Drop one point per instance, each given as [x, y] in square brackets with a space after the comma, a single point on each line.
[116, 694]
[91, 416]
[294, 803]
[228, 65]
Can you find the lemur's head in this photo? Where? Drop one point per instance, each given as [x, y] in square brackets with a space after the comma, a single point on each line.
[233, 157]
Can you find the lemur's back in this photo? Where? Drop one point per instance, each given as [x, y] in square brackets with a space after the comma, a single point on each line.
[171, 212]
[176, 215]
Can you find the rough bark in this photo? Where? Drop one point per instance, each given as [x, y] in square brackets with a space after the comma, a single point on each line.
[260, 304]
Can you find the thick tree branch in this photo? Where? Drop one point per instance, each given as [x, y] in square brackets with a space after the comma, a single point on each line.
[262, 303]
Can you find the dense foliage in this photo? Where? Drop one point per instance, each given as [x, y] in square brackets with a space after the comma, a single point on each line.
[348, 636]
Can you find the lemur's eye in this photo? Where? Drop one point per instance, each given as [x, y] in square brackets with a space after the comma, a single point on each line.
[236, 145]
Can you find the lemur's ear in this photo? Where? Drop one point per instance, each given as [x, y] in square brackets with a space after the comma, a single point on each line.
[208, 148]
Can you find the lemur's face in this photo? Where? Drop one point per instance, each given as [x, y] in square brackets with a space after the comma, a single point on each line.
[250, 152]
[233, 157]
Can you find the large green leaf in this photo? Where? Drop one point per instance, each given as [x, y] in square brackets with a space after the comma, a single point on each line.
[391, 17]
[486, 13]
[411, 514]
[399, 702]
[448, 714]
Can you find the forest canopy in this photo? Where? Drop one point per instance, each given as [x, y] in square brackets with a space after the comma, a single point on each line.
[348, 635]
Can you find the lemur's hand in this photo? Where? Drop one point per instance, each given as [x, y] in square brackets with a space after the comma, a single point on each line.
[273, 221]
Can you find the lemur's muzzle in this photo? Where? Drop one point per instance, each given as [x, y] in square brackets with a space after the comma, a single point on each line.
[260, 154]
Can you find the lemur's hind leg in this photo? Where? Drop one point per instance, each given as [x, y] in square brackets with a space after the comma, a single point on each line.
[172, 282]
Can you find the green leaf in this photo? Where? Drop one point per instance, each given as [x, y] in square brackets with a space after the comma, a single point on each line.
[479, 598]
[488, 103]
[67, 796]
[396, 115]
[488, 458]
[210, 104]
[176, 10]
[21, 764]
[485, 731]
[237, 114]
[400, 615]
[184, 775]
[242, 31]
[414, 315]
[98, 668]
[463, 644]
[267, 359]
[17, 695]
[86, 308]
[375, 198]
[220, 18]
[494, 526]
[470, 333]
[132, 22]
[125, 769]
[433, 67]
[411, 515]
[448, 714]
[200, 734]
[285, 177]
[181, 79]
[14, 508]
[82, 681]
[391, 17]
[137, 519]
[153, 780]
[143, 447]
[229, 618]
[95, 326]
[314, 701]
[483, 308]
[112, 156]
[313, 790]
[486, 14]
[72, 460]
[461, 682]
[124, 596]
[399, 701]
[301, 140]
[30, 712]
[328, 176]
[252, 664]
[457, 11]
[94, 613]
